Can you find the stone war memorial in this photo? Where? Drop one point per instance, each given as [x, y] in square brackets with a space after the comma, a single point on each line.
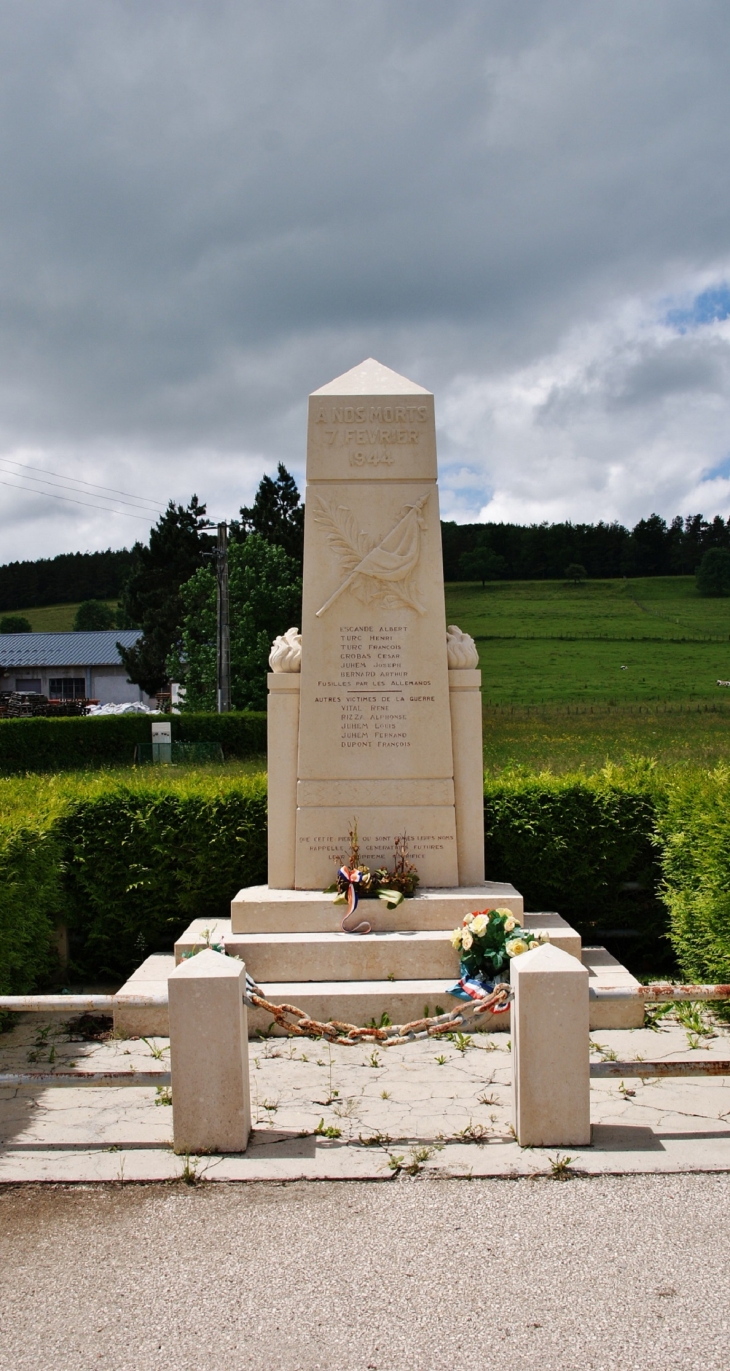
[374, 737]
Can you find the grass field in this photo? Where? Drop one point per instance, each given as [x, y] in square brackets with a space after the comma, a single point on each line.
[570, 738]
[577, 676]
[51, 618]
[610, 642]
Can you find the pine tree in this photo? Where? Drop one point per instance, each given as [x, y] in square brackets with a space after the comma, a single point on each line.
[277, 514]
[151, 599]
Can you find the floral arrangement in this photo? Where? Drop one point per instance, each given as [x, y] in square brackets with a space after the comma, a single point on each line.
[488, 940]
[392, 887]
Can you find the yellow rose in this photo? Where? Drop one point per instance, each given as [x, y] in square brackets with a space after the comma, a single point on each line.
[466, 940]
[479, 925]
[515, 947]
[456, 938]
[510, 923]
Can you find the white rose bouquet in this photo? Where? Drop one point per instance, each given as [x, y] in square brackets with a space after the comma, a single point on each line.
[488, 940]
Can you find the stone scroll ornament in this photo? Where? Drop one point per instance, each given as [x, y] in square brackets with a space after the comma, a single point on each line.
[461, 650]
[286, 652]
[376, 571]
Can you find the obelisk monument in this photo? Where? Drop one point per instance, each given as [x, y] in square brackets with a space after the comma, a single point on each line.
[371, 707]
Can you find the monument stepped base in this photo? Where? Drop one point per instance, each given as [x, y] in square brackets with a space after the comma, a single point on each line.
[330, 974]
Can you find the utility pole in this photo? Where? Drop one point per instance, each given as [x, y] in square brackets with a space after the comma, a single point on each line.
[224, 623]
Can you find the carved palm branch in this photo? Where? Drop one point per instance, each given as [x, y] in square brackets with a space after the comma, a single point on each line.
[343, 535]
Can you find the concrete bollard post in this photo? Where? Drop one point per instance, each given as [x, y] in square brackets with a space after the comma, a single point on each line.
[211, 1100]
[550, 1050]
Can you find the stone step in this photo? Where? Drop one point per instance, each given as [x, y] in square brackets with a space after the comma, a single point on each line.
[402, 955]
[149, 979]
[259, 909]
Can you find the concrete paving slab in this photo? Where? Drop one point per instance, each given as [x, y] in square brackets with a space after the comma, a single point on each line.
[427, 1107]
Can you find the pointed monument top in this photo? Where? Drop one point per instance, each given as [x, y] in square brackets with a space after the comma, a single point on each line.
[371, 378]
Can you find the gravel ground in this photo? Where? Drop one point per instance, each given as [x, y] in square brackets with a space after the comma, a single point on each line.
[405, 1275]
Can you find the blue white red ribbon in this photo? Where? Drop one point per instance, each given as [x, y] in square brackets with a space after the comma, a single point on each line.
[353, 878]
[473, 988]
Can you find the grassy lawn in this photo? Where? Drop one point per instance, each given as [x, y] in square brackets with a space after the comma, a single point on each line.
[609, 642]
[52, 618]
[569, 738]
[575, 676]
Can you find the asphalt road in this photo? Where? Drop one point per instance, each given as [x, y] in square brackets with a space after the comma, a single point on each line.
[405, 1275]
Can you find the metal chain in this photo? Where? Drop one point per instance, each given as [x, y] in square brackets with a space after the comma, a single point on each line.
[298, 1023]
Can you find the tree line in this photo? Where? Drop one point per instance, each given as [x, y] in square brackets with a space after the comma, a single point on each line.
[534, 552]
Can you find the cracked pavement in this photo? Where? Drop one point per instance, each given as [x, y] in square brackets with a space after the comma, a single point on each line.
[322, 1112]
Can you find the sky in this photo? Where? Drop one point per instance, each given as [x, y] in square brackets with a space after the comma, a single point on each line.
[212, 208]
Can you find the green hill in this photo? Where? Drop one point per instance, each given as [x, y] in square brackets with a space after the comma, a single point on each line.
[610, 642]
[51, 618]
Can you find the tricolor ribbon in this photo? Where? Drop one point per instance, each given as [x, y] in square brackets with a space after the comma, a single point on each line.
[471, 988]
[353, 879]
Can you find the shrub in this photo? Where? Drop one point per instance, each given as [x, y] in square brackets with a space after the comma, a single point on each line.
[584, 846]
[15, 623]
[142, 860]
[109, 740]
[94, 615]
[694, 835]
[32, 895]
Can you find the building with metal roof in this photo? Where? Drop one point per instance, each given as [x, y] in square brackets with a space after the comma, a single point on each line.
[69, 666]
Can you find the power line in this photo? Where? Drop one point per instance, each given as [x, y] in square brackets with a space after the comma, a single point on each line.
[103, 509]
[78, 481]
[71, 485]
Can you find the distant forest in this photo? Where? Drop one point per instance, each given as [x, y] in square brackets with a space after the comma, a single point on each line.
[72, 577]
[537, 552]
[529, 552]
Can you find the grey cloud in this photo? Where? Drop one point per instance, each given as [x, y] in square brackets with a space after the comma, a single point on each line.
[208, 210]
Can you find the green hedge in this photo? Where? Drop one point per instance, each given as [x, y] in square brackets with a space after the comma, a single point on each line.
[31, 902]
[109, 740]
[139, 866]
[694, 833]
[128, 862]
[584, 846]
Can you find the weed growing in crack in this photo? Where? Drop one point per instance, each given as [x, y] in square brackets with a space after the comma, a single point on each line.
[689, 1014]
[474, 1132]
[348, 1108]
[561, 1167]
[189, 1174]
[157, 1052]
[327, 1132]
